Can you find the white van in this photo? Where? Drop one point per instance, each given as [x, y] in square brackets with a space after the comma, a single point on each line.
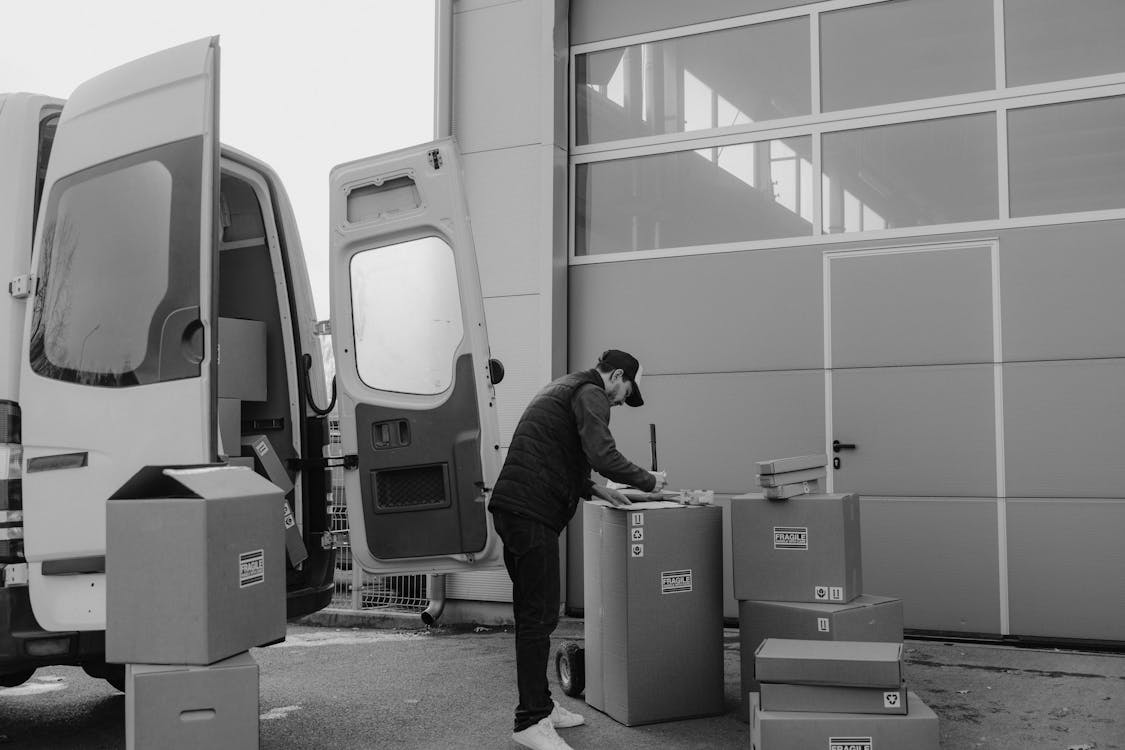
[158, 312]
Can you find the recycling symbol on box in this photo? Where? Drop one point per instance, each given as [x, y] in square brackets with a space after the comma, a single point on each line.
[890, 700]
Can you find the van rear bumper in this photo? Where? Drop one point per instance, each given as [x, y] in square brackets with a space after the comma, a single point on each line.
[23, 643]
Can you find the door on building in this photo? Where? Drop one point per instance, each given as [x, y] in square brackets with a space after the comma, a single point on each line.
[914, 425]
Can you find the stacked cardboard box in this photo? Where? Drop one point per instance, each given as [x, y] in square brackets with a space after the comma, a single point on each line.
[840, 694]
[797, 571]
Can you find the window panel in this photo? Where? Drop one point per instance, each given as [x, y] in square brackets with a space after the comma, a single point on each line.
[406, 310]
[734, 193]
[1067, 157]
[905, 50]
[713, 80]
[910, 174]
[1048, 40]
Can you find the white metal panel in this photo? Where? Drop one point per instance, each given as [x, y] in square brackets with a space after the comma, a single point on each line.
[513, 339]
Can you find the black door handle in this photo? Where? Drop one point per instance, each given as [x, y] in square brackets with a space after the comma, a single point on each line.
[837, 446]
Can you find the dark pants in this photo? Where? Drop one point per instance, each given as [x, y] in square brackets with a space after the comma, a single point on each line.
[531, 555]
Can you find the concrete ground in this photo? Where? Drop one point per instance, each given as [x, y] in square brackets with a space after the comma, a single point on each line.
[395, 684]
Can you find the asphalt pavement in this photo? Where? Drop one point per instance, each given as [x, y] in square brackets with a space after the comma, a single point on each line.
[401, 685]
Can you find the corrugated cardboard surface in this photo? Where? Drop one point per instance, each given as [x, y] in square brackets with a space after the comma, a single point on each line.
[653, 607]
[804, 549]
[832, 699]
[242, 359]
[852, 663]
[791, 730]
[865, 618]
[195, 571]
[178, 707]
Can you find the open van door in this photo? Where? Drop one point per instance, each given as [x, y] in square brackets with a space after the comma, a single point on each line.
[417, 415]
[118, 353]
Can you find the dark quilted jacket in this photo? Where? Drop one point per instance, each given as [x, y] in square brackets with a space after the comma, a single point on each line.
[546, 471]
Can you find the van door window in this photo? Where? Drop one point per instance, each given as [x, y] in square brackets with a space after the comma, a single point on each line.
[408, 316]
[117, 302]
[47, 127]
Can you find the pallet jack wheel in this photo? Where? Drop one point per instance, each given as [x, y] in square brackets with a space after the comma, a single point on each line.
[570, 664]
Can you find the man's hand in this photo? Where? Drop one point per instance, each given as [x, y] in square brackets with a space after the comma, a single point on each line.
[613, 497]
[661, 480]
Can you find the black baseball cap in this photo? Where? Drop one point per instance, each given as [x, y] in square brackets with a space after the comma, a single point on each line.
[615, 359]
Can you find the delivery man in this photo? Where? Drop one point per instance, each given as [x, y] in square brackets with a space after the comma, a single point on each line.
[563, 433]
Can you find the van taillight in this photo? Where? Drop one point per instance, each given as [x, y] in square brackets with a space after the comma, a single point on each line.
[11, 484]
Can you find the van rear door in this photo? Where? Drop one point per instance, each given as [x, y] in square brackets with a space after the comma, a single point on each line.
[118, 353]
[417, 414]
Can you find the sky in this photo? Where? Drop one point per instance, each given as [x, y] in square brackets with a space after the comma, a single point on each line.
[302, 89]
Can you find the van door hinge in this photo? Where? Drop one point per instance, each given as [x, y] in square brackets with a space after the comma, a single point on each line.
[323, 328]
[14, 574]
[329, 462]
[21, 286]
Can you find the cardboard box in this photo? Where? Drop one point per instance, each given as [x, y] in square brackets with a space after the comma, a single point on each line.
[832, 699]
[184, 707]
[865, 618]
[804, 549]
[793, 730]
[843, 663]
[794, 463]
[195, 571]
[242, 359]
[269, 464]
[653, 581]
[230, 426]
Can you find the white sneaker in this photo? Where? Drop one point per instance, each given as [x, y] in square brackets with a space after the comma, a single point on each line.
[541, 736]
[561, 718]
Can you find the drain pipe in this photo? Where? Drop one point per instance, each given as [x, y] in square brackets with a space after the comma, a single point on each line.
[443, 128]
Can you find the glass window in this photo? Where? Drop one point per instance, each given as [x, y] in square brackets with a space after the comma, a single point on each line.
[47, 127]
[406, 311]
[714, 80]
[910, 174]
[118, 297]
[1067, 157]
[904, 50]
[1048, 40]
[735, 193]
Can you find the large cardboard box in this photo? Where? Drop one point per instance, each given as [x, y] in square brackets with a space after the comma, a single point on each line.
[181, 707]
[195, 567]
[844, 663]
[804, 549]
[653, 581]
[794, 730]
[270, 465]
[242, 359]
[865, 618]
[776, 696]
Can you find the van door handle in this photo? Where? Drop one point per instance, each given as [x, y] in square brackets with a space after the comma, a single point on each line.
[837, 446]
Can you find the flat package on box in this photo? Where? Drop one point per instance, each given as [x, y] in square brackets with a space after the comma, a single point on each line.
[843, 663]
[181, 707]
[776, 696]
[795, 730]
[865, 618]
[804, 549]
[195, 566]
[653, 582]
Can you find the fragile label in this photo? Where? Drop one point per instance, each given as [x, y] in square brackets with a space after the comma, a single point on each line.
[261, 448]
[675, 581]
[850, 743]
[251, 568]
[638, 519]
[822, 624]
[791, 537]
[637, 550]
[637, 534]
[892, 699]
[290, 522]
[820, 593]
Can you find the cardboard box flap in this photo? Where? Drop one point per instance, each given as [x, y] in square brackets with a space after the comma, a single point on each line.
[795, 463]
[808, 662]
[213, 481]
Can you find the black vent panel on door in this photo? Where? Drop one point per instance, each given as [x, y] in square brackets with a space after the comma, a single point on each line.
[411, 488]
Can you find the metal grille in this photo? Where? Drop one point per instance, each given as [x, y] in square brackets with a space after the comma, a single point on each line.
[355, 589]
[410, 488]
